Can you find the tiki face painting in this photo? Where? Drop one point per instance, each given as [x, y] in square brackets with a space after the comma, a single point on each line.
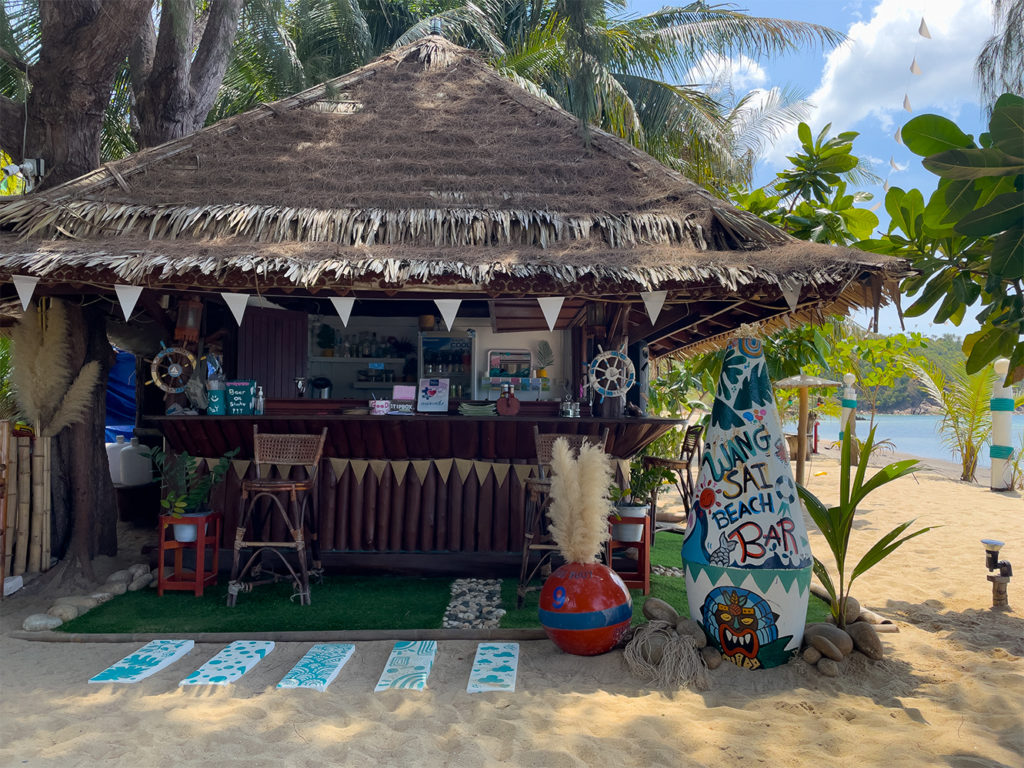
[743, 624]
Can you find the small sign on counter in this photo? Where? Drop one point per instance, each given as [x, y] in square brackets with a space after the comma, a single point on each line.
[239, 396]
[433, 395]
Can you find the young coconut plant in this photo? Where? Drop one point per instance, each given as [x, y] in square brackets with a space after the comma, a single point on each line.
[836, 523]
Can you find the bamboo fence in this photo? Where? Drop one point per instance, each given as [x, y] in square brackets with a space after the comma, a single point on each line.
[25, 502]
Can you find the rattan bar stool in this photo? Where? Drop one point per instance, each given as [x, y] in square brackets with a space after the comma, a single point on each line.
[287, 451]
[535, 538]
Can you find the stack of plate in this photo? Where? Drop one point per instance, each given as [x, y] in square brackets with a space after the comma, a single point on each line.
[477, 408]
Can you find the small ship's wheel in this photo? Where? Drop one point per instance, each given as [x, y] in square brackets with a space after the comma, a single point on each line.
[612, 373]
[172, 368]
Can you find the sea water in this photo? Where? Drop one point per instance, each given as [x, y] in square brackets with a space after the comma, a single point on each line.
[915, 435]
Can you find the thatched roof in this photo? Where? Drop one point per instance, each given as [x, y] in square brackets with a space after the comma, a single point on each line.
[425, 170]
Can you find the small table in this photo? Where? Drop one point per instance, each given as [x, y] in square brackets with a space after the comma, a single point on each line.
[208, 530]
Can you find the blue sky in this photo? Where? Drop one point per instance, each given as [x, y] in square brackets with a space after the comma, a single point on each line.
[861, 85]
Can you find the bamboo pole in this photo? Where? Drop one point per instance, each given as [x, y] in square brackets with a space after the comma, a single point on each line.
[24, 505]
[47, 446]
[12, 502]
[5, 447]
[35, 526]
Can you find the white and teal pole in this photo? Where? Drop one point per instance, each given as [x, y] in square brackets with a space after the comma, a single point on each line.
[848, 416]
[1001, 449]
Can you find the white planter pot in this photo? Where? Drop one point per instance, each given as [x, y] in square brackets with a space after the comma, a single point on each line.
[631, 526]
[187, 532]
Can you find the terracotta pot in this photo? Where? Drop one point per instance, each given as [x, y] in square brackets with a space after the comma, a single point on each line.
[585, 608]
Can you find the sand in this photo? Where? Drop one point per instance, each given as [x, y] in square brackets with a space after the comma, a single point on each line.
[949, 693]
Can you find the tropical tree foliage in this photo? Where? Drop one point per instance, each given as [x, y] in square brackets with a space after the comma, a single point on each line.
[1000, 65]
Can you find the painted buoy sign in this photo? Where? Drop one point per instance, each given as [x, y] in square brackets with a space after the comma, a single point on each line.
[746, 554]
[585, 608]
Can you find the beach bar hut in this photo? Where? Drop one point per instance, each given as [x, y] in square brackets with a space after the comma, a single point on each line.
[422, 196]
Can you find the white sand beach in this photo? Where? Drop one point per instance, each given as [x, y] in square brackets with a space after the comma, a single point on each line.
[950, 691]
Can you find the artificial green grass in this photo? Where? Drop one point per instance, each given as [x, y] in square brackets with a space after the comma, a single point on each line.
[341, 602]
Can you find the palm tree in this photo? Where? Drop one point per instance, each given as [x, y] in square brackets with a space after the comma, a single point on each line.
[999, 67]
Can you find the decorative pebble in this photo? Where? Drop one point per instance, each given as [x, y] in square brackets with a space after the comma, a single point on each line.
[811, 654]
[712, 656]
[102, 596]
[63, 611]
[852, 609]
[667, 570]
[866, 640]
[40, 621]
[475, 604]
[824, 645]
[691, 629]
[658, 610]
[120, 576]
[834, 634]
[137, 570]
[115, 587]
[828, 667]
[83, 602]
[140, 582]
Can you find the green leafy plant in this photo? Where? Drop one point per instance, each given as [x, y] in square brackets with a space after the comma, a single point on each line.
[325, 336]
[185, 489]
[644, 478]
[545, 356]
[836, 523]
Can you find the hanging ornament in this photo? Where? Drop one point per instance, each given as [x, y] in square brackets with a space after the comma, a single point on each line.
[653, 302]
[343, 306]
[551, 306]
[172, 368]
[923, 30]
[612, 373]
[190, 316]
[448, 308]
[906, 103]
[914, 69]
[236, 303]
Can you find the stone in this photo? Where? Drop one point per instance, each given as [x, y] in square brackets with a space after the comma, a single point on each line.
[712, 656]
[115, 587]
[83, 602]
[654, 650]
[38, 622]
[658, 610]
[102, 596]
[866, 640]
[140, 582]
[691, 629]
[137, 570]
[824, 645]
[828, 667]
[834, 634]
[120, 576]
[811, 654]
[64, 611]
[852, 609]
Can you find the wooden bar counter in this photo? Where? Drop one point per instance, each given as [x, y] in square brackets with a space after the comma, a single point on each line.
[408, 484]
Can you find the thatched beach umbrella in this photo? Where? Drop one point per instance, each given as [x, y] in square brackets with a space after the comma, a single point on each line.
[803, 382]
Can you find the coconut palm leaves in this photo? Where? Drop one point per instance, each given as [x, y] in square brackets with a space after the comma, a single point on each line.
[836, 523]
[1000, 65]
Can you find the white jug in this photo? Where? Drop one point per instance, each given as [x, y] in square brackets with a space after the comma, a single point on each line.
[114, 458]
[136, 465]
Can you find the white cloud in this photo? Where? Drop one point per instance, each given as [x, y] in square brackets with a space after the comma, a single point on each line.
[742, 72]
[867, 78]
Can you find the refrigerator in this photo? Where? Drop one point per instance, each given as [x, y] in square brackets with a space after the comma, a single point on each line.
[449, 356]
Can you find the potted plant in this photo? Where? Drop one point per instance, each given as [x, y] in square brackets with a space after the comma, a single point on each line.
[633, 502]
[325, 338]
[186, 492]
[545, 358]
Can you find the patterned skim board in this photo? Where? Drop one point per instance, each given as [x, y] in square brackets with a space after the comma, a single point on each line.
[148, 660]
[231, 663]
[408, 666]
[318, 668]
[748, 560]
[494, 668]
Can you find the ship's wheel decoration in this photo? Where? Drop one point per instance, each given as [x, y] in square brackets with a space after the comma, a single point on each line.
[172, 368]
[612, 373]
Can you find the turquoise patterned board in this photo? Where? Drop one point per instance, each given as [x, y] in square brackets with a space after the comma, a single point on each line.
[494, 668]
[149, 659]
[408, 666]
[231, 663]
[318, 668]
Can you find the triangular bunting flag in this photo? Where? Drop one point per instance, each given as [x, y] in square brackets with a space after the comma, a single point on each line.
[523, 471]
[885, 186]
[653, 302]
[899, 135]
[449, 308]
[500, 473]
[359, 468]
[338, 465]
[463, 467]
[876, 206]
[482, 469]
[892, 163]
[378, 466]
[128, 295]
[551, 306]
[444, 468]
[923, 30]
[906, 103]
[914, 69]
[421, 468]
[241, 466]
[236, 303]
[26, 286]
[399, 468]
[343, 306]
[264, 470]
[791, 293]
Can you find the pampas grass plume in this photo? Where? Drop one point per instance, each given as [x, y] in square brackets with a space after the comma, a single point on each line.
[579, 501]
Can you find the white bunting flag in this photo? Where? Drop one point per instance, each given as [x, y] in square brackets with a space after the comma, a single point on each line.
[25, 286]
[236, 303]
[343, 306]
[792, 295]
[906, 103]
[128, 295]
[892, 163]
[899, 135]
[653, 302]
[914, 69]
[449, 308]
[551, 306]
[923, 30]
[885, 186]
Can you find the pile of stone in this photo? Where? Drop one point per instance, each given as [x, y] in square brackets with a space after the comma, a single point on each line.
[71, 607]
[475, 604]
[826, 645]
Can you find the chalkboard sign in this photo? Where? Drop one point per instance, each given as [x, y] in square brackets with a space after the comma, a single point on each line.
[240, 395]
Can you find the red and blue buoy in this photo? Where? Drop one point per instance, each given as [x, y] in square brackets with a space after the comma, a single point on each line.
[585, 608]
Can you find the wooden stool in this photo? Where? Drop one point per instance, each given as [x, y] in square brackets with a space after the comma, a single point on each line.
[279, 450]
[638, 577]
[198, 578]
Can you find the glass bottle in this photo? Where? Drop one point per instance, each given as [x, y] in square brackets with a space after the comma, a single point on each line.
[259, 402]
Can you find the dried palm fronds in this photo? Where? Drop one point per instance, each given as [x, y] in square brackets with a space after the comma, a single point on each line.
[579, 501]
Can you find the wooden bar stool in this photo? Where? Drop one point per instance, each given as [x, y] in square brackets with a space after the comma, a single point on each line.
[282, 451]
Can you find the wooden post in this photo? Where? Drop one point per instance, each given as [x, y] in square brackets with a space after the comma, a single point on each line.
[24, 505]
[5, 446]
[11, 502]
[801, 438]
[35, 528]
[47, 446]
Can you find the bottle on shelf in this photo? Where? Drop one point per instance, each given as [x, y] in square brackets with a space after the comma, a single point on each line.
[258, 402]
